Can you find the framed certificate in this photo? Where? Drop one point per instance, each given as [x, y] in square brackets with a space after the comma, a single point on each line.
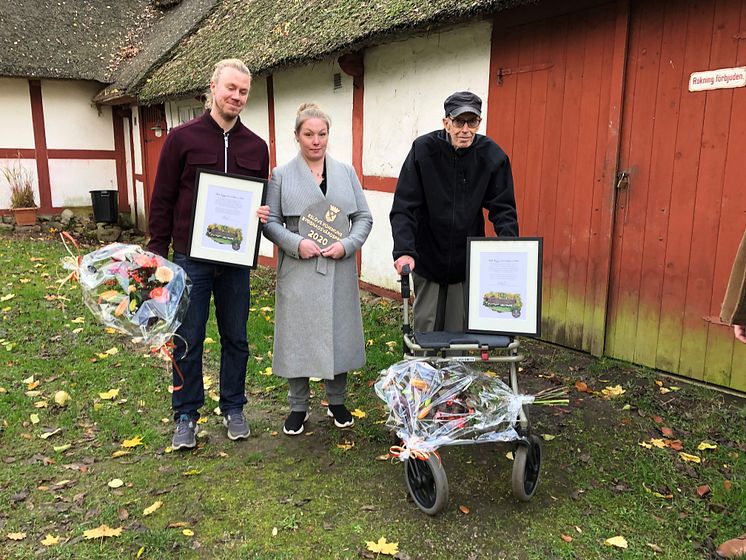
[503, 280]
[225, 227]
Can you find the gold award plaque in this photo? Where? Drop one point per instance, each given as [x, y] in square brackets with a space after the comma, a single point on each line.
[323, 223]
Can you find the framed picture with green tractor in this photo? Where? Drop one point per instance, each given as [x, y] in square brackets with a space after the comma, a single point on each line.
[503, 279]
[225, 227]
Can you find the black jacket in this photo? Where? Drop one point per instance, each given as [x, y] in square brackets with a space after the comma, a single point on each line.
[439, 199]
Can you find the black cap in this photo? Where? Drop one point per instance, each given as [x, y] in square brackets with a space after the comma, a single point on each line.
[463, 102]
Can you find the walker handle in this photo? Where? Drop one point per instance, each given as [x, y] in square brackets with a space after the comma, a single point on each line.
[405, 271]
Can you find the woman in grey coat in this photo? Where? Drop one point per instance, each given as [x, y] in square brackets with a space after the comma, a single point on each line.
[318, 325]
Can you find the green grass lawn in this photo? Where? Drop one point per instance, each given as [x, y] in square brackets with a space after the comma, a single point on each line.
[317, 495]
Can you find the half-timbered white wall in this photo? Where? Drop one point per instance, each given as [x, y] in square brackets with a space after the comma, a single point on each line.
[405, 86]
[71, 120]
[138, 213]
[15, 114]
[313, 83]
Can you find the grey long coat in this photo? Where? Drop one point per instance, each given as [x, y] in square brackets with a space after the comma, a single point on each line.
[318, 325]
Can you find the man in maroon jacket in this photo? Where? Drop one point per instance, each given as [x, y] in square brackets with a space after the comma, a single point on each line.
[215, 141]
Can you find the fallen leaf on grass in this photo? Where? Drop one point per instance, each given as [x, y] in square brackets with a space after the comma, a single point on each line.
[101, 532]
[192, 472]
[7, 297]
[109, 395]
[689, 458]
[645, 444]
[727, 484]
[547, 437]
[566, 538]
[78, 320]
[703, 490]
[188, 532]
[120, 453]
[463, 509]
[61, 398]
[16, 536]
[612, 392]
[706, 445]
[668, 432]
[47, 435]
[61, 448]
[267, 371]
[115, 483]
[346, 446]
[582, 387]
[134, 442]
[357, 413]
[34, 418]
[618, 541]
[274, 531]
[49, 540]
[383, 547]
[150, 509]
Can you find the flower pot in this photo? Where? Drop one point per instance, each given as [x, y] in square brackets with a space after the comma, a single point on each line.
[25, 216]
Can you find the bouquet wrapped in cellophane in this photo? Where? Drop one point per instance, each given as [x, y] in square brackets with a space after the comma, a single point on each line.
[448, 403]
[134, 291]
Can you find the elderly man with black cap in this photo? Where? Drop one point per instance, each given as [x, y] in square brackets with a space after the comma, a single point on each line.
[447, 180]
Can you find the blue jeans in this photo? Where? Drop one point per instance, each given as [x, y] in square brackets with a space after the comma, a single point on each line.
[230, 287]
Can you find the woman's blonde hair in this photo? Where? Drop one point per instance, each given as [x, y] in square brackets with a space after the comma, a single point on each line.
[236, 64]
[310, 111]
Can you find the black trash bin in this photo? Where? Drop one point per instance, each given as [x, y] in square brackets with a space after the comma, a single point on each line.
[105, 206]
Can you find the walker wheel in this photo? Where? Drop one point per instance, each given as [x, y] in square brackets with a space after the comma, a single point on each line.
[527, 468]
[427, 483]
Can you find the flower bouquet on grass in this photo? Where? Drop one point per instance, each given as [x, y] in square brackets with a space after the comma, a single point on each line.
[135, 292]
[451, 404]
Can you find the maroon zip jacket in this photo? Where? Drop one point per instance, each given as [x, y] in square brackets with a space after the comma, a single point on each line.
[197, 144]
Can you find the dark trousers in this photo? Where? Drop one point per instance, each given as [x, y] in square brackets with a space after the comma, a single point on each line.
[230, 288]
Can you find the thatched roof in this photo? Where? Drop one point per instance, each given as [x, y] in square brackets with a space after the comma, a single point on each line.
[158, 49]
[270, 35]
[171, 28]
[75, 39]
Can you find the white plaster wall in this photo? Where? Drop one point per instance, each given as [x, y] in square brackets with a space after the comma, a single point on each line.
[142, 219]
[376, 262]
[71, 120]
[128, 172]
[255, 114]
[73, 179]
[313, 83]
[405, 86]
[27, 164]
[137, 145]
[15, 114]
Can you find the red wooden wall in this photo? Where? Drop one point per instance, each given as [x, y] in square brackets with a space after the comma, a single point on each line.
[636, 272]
[677, 234]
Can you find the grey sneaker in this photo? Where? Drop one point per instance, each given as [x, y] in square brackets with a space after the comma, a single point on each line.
[185, 435]
[237, 426]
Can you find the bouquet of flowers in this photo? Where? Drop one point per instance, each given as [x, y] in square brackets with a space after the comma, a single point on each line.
[134, 291]
[431, 406]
